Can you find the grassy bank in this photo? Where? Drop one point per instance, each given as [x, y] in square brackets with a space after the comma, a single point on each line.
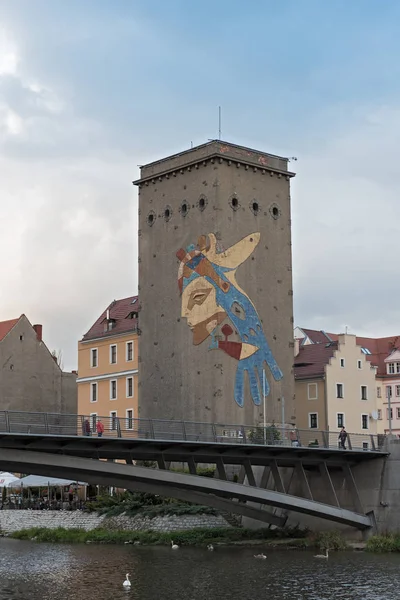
[384, 543]
[194, 537]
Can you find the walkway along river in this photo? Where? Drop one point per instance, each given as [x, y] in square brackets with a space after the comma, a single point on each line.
[30, 571]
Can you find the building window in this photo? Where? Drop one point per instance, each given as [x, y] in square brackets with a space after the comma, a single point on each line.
[398, 412]
[113, 354]
[129, 351]
[397, 390]
[129, 418]
[93, 392]
[391, 368]
[364, 421]
[340, 420]
[365, 445]
[379, 414]
[339, 390]
[398, 367]
[342, 362]
[129, 387]
[359, 364]
[113, 416]
[93, 421]
[312, 390]
[313, 420]
[113, 389]
[364, 392]
[378, 392]
[388, 391]
[389, 416]
[93, 357]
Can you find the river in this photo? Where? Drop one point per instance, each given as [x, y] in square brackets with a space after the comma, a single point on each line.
[30, 571]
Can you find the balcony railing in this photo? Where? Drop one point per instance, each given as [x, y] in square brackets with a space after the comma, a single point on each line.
[181, 431]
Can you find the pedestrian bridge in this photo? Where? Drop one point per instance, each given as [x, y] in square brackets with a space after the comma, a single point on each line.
[272, 467]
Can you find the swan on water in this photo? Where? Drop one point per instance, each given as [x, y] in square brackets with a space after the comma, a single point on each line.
[210, 547]
[174, 546]
[326, 555]
[127, 583]
[262, 555]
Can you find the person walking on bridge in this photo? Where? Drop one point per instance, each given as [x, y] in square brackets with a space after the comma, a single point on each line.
[343, 438]
[99, 428]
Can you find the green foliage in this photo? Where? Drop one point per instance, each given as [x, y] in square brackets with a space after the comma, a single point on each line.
[183, 538]
[256, 436]
[384, 543]
[333, 540]
[201, 471]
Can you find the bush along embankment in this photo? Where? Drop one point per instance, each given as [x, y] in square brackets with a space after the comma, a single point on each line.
[196, 537]
[389, 542]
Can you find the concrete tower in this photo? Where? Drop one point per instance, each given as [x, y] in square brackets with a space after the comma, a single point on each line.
[215, 286]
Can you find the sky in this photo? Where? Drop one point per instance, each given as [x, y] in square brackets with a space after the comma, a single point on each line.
[90, 90]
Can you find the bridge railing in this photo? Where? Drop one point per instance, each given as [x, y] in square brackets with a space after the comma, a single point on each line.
[169, 430]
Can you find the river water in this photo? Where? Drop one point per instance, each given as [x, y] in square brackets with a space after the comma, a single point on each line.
[30, 571]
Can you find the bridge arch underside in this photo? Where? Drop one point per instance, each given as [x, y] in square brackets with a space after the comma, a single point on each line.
[216, 493]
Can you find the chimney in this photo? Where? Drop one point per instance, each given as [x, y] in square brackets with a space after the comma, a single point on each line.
[39, 330]
[296, 347]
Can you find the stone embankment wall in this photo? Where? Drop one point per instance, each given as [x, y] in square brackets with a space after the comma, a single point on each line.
[15, 520]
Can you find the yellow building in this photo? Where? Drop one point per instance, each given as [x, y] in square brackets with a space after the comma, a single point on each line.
[108, 368]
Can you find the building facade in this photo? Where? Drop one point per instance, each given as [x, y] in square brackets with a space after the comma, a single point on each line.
[108, 367]
[384, 355]
[30, 378]
[336, 387]
[215, 284]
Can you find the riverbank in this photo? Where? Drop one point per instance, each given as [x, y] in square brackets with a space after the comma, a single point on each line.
[194, 537]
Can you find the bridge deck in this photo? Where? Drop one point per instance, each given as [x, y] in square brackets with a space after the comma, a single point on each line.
[180, 450]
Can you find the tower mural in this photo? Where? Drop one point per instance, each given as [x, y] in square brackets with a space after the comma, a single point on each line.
[210, 295]
[215, 286]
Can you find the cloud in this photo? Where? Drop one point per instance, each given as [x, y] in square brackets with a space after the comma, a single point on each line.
[346, 228]
[68, 227]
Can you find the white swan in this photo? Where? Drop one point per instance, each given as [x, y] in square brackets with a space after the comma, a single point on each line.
[262, 555]
[174, 546]
[326, 555]
[127, 583]
[210, 547]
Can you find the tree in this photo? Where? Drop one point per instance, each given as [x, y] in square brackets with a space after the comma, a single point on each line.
[58, 357]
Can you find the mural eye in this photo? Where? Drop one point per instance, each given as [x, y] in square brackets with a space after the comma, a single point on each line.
[199, 297]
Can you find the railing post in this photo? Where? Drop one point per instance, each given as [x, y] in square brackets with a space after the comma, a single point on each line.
[349, 442]
[373, 446]
[243, 434]
[118, 427]
[151, 429]
[7, 419]
[184, 430]
[325, 439]
[214, 432]
[46, 422]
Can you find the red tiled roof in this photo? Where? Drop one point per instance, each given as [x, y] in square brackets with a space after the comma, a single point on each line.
[6, 326]
[119, 313]
[380, 348]
[311, 360]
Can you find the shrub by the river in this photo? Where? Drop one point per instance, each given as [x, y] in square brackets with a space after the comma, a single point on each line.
[333, 540]
[384, 543]
[192, 537]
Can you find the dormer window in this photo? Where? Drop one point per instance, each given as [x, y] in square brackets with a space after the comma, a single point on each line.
[109, 324]
[133, 315]
[390, 368]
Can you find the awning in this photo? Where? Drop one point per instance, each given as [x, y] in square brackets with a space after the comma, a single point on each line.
[5, 479]
[39, 481]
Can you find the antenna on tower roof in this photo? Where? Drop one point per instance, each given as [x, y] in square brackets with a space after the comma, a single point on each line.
[219, 122]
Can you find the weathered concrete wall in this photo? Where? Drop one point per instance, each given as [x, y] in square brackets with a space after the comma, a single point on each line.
[230, 192]
[69, 393]
[30, 379]
[15, 520]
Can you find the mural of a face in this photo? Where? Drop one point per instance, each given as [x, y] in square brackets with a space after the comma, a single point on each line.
[210, 294]
[200, 309]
